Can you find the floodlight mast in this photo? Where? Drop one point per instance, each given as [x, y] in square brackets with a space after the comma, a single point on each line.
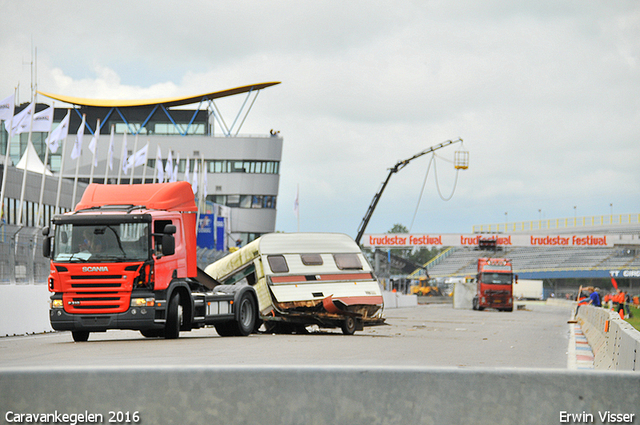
[399, 166]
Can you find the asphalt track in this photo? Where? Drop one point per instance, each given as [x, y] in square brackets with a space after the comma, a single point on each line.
[535, 336]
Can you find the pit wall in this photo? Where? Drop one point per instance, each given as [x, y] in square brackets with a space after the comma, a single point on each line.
[207, 394]
[614, 342]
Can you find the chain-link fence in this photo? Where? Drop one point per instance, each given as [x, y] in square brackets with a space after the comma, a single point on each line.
[21, 259]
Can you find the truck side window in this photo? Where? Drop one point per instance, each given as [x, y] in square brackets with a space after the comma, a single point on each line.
[278, 263]
[347, 261]
[158, 229]
[311, 259]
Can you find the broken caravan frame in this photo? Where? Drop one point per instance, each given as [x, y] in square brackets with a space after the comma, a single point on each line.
[304, 279]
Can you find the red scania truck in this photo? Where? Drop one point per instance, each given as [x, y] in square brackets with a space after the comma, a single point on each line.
[494, 284]
[125, 258]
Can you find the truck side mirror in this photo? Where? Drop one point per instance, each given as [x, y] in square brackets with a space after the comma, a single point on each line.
[168, 244]
[46, 243]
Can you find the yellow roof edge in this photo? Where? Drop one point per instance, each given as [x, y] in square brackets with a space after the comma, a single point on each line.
[168, 102]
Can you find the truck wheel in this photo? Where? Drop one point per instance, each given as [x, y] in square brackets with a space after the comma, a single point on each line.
[225, 328]
[174, 318]
[247, 316]
[80, 336]
[475, 303]
[349, 326]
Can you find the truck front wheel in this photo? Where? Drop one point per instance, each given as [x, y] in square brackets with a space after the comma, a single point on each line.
[174, 318]
[80, 336]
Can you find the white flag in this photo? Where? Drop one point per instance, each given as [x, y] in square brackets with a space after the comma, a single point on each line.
[168, 167]
[77, 147]
[92, 147]
[138, 158]
[194, 184]
[18, 118]
[110, 154]
[174, 172]
[41, 122]
[7, 107]
[125, 152]
[159, 166]
[60, 133]
[186, 171]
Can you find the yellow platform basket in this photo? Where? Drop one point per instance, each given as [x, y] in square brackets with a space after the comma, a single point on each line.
[461, 160]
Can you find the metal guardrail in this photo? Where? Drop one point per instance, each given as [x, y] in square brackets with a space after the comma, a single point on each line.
[559, 223]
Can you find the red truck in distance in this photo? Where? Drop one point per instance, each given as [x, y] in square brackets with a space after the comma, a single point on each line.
[494, 284]
[125, 258]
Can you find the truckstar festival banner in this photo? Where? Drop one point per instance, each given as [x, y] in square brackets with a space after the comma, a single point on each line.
[401, 240]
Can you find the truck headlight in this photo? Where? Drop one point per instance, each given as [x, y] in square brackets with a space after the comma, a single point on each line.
[56, 303]
[143, 302]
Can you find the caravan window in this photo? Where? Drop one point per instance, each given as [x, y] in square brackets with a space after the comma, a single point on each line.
[277, 263]
[311, 259]
[347, 261]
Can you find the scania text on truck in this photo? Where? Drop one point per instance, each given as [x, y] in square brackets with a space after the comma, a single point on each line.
[125, 258]
[494, 284]
[306, 279]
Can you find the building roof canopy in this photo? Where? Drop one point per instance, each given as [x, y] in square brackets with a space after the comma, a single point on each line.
[167, 102]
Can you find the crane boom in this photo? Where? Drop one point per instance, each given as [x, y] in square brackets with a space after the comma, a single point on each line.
[399, 166]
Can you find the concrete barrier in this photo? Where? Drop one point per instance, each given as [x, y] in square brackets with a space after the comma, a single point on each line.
[317, 395]
[614, 342]
[24, 309]
[398, 300]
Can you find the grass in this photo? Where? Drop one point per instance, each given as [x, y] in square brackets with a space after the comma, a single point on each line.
[635, 320]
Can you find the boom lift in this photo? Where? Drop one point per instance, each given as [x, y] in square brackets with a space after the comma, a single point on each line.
[461, 162]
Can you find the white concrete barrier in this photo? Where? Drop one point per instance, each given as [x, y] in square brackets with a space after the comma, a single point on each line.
[398, 300]
[317, 395]
[24, 309]
[614, 342]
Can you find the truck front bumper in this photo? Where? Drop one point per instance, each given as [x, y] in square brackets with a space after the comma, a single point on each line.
[134, 318]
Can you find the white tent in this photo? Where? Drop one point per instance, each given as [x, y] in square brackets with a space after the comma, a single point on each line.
[35, 164]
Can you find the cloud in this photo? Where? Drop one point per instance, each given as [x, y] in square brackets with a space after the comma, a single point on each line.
[545, 94]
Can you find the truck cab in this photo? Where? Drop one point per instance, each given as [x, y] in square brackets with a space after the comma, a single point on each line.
[125, 258]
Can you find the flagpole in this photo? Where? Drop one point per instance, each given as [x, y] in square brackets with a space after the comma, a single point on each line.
[144, 167]
[133, 158]
[123, 154]
[64, 149]
[95, 149]
[109, 156]
[46, 159]
[6, 157]
[26, 167]
[75, 180]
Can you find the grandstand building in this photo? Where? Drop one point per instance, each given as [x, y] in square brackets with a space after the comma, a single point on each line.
[242, 172]
[621, 261]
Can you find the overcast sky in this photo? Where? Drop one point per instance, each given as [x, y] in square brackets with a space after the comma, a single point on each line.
[545, 94]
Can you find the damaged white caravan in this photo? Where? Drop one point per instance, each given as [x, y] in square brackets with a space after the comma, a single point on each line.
[303, 279]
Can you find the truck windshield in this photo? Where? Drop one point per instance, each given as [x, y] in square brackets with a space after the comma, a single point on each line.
[496, 278]
[101, 242]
